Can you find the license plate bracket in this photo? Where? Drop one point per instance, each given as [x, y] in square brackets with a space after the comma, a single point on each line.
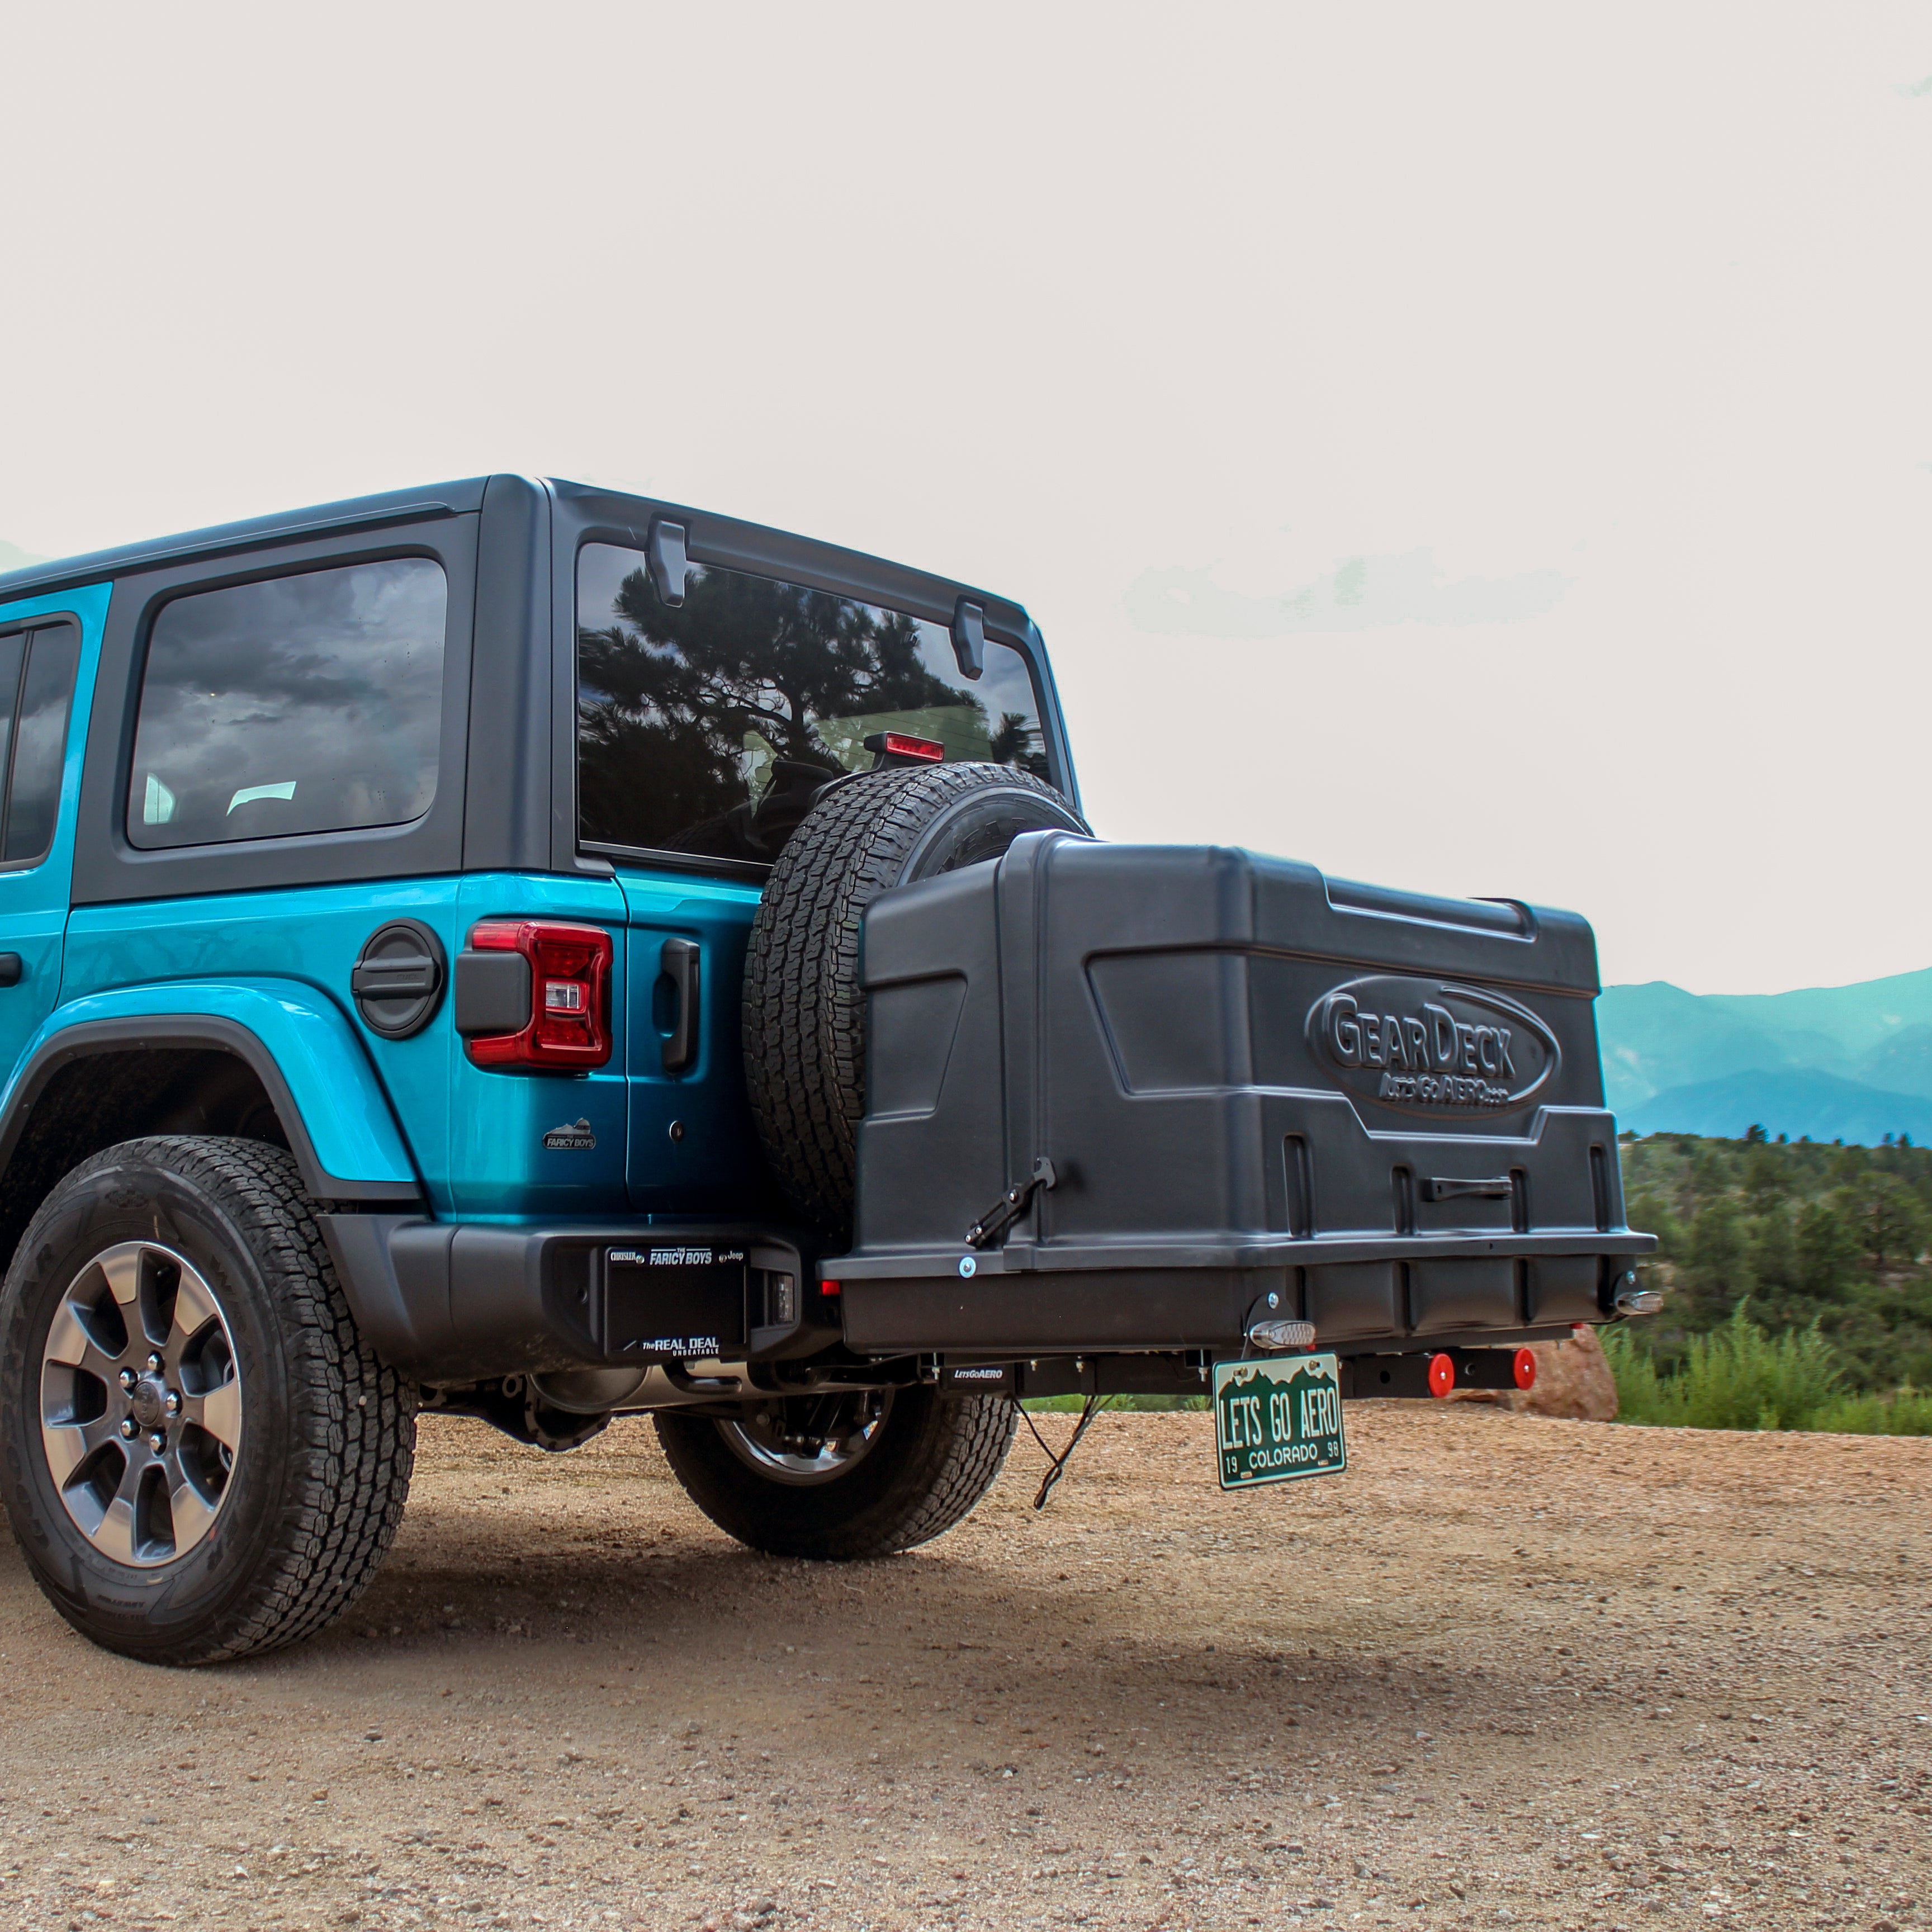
[674, 1300]
[1278, 1419]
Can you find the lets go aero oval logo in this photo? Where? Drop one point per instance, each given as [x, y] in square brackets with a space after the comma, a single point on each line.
[1425, 1044]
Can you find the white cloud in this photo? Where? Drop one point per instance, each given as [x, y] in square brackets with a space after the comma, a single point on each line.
[1366, 593]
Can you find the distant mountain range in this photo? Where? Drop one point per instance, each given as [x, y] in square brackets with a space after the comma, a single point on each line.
[1833, 1063]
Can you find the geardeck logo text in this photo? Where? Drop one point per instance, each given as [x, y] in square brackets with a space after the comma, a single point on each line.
[1426, 1044]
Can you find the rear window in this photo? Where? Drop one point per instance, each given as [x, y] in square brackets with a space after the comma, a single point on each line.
[310, 703]
[703, 728]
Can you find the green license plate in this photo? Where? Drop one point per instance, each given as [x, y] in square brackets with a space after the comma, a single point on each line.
[1277, 1418]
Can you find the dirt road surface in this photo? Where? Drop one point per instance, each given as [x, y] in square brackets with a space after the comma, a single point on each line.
[1506, 1672]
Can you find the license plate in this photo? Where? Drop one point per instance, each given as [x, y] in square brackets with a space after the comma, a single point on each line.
[1277, 1418]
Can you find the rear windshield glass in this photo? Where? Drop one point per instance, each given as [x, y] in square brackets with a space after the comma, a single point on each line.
[705, 728]
[305, 704]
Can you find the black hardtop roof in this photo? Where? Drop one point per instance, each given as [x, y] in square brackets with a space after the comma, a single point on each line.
[726, 539]
[102, 566]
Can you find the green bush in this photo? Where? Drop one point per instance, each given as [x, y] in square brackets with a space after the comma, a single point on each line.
[1735, 1377]
[1738, 1377]
[1907, 1413]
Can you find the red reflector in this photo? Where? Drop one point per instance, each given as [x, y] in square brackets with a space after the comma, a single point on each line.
[1524, 1366]
[569, 1023]
[903, 745]
[1441, 1375]
[828, 1287]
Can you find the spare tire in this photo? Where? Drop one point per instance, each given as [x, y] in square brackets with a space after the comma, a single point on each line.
[804, 1014]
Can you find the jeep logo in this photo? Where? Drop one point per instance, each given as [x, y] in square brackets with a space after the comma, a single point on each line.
[1424, 1043]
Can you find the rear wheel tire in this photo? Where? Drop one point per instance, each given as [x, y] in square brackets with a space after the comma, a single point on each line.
[201, 1457]
[840, 1476]
[804, 1011]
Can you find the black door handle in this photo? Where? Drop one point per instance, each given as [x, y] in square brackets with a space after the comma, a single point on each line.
[12, 969]
[679, 960]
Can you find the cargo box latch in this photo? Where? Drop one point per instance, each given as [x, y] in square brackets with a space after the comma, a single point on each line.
[1010, 1206]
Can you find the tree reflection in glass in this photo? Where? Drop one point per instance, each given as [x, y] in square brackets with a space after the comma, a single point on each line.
[706, 728]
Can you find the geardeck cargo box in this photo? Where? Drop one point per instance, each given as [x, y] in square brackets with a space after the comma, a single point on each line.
[1119, 1095]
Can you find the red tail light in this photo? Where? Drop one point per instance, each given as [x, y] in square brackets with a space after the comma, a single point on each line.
[1441, 1375]
[902, 748]
[1525, 1367]
[563, 1022]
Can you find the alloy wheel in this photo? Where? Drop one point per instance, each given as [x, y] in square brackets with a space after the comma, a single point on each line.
[806, 1439]
[140, 1404]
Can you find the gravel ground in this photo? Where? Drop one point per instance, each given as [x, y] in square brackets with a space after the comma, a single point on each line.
[1505, 1671]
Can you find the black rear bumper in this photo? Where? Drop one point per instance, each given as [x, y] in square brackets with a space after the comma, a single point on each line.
[448, 1302]
[1363, 1293]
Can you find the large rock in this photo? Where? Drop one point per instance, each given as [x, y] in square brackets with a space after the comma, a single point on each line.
[1573, 1381]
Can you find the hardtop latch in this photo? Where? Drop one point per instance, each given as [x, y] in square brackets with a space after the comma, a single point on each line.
[1011, 1205]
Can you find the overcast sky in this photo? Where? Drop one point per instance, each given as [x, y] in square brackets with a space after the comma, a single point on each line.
[1485, 449]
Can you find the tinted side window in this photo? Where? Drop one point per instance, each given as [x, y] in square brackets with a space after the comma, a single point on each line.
[304, 703]
[12, 661]
[704, 728]
[39, 736]
[37, 670]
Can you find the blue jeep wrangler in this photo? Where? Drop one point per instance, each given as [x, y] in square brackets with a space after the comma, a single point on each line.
[536, 953]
